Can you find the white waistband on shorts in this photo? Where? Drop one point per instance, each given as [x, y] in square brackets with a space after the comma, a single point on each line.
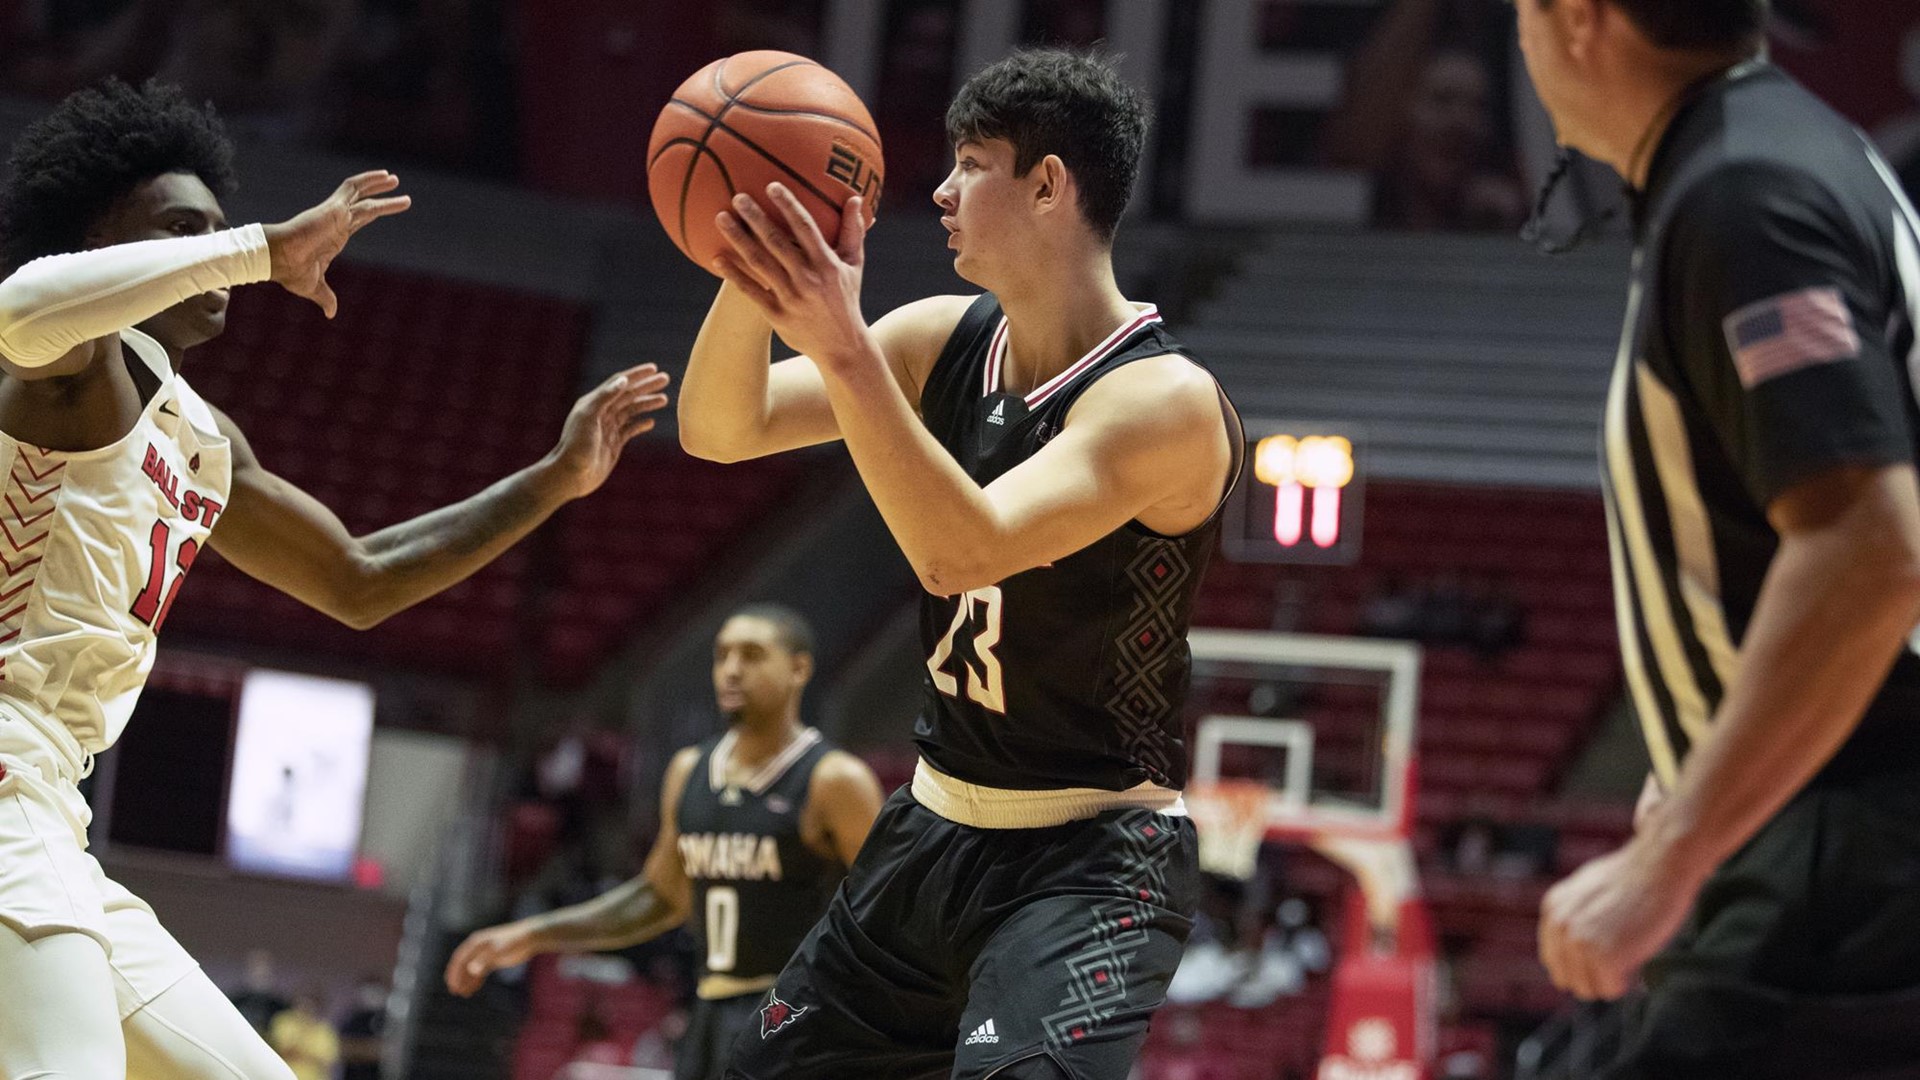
[981, 807]
[47, 743]
[719, 986]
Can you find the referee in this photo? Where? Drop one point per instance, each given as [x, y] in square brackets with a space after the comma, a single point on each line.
[1765, 525]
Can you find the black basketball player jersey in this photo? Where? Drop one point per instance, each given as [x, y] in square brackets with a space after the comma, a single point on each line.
[1074, 674]
[757, 887]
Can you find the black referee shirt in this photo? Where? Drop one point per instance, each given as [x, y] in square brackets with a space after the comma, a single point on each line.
[1769, 338]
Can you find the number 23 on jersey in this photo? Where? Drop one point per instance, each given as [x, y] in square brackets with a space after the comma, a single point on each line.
[977, 615]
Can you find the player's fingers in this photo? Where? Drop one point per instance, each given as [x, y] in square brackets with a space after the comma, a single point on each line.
[853, 231]
[377, 183]
[1610, 980]
[645, 404]
[1583, 968]
[637, 425]
[323, 295]
[1553, 948]
[354, 185]
[732, 271]
[750, 248]
[368, 211]
[458, 977]
[771, 233]
[650, 382]
[608, 392]
[805, 230]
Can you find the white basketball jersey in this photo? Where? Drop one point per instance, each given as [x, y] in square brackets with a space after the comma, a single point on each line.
[93, 547]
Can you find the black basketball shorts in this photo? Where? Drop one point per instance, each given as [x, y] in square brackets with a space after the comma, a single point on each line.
[1801, 958]
[963, 952]
[712, 1029]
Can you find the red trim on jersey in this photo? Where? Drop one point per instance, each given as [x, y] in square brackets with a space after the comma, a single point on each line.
[15, 523]
[996, 349]
[997, 352]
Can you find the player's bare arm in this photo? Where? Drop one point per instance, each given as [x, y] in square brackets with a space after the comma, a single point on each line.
[641, 909]
[735, 405]
[1839, 602]
[61, 314]
[284, 537]
[843, 798]
[1148, 442]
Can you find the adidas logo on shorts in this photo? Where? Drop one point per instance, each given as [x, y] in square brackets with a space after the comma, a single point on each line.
[983, 1034]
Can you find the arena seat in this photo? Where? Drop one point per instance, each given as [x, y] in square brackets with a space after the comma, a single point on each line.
[423, 392]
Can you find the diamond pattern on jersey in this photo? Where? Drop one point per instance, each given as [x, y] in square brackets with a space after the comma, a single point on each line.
[1142, 701]
[1097, 975]
[31, 493]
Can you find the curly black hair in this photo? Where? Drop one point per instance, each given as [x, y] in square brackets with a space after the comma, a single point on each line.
[69, 167]
[1069, 102]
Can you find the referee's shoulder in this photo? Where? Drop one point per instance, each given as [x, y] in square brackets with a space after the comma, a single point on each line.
[1742, 195]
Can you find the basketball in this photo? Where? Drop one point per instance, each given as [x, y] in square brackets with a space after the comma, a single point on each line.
[745, 121]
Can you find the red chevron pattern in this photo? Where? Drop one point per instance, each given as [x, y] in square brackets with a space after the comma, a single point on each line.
[28, 500]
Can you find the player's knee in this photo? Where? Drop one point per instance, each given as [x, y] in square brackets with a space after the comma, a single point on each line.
[1041, 1066]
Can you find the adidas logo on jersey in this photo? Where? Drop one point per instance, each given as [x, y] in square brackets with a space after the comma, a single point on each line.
[999, 414]
[983, 1034]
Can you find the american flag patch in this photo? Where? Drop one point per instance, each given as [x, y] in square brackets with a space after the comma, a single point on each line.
[1788, 332]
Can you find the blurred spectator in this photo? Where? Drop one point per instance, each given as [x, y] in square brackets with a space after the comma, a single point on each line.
[788, 25]
[263, 63]
[1480, 612]
[1472, 848]
[1444, 618]
[305, 1040]
[361, 1031]
[1076, 23]
[1495, 620]
[1425, 115]
[410, 80]
[1479, 848]
[594, 1049]
[1392, 612]
[386, 76]
[1899, 138]
[1292, 949]
[915, 83]
[1246, 950]
[258, 997]
[655, 1047]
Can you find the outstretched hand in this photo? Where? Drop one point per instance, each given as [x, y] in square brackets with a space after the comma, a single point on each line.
[485, 952]
[808, 289]
[303, 247]
[603, 421]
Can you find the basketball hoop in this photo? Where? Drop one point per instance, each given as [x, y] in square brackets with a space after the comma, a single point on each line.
[1231, 818]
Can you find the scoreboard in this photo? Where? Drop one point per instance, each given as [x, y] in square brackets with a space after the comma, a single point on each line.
[1301, 497]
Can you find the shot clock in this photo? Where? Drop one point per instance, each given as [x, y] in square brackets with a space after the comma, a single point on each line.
[1301, 498]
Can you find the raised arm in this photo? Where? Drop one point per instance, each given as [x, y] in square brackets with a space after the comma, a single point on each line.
[1148, 441]
[283, 536]
[1149, 437]
[734, 405]
[638, 910]
[60, 314]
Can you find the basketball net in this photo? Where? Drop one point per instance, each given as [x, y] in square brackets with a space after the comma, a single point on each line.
[1231, 819]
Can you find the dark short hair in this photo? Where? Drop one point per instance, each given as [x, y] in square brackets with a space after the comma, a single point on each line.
[1069, 102]
[1697, 24]
[71, 166]
[796, 634]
